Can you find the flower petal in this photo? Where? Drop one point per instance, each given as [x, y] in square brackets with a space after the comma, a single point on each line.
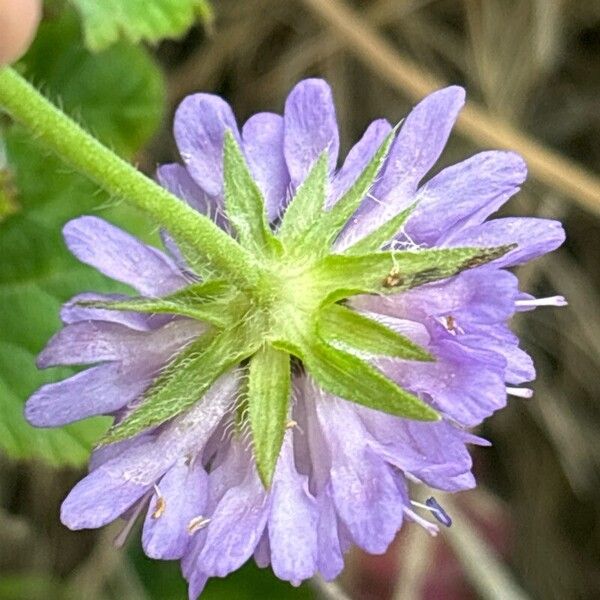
[99, 390]
[121, 256]
[498, 338]
[419, 144]
[88, 342]
[364, 490]
[464, 194]
[433, 452]
[196, 583]
[178, 181]
[236, 525]
[310, 127]
[114, 486]
[103, 454]
[184, 492]
[416, 149]
[292, 523]
[262, 552]
[464, 383]
[331, 558]
[263, 145]
[200, 124]
[358, 158]
[107, 492]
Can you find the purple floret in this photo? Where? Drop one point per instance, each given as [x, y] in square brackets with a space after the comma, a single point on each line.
[344, 470]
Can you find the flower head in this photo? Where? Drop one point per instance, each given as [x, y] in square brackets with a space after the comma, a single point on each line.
[281, 413]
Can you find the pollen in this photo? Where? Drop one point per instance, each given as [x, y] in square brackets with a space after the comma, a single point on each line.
[393, 279]
[161, 505]
[451, 324]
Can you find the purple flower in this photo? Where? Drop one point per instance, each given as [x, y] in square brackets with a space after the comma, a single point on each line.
[234, 472]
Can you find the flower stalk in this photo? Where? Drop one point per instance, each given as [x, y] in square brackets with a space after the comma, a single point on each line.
[90, 157]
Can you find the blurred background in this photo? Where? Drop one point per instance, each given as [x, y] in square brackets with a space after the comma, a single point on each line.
[532, 528]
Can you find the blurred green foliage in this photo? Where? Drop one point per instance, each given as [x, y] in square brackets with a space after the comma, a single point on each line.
[108, 21]
[28, 585]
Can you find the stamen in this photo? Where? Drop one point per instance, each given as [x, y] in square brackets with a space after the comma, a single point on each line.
[197, 523]
[161, 504]
[535, 302]
[121, 538]
[291, 424]
[433, 506]
[519, 392]
[431, 529]
[450, 325]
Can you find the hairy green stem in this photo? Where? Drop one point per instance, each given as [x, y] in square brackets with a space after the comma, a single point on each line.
[91, 158]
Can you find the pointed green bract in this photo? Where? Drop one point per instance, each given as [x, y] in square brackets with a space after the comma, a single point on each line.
[214, 302]
[341, 326]
[306, 206]
[374, 241]
[331, 222]
[347, 376]
[244, 201]
[340, 276]
[269, 387]
[187, 378]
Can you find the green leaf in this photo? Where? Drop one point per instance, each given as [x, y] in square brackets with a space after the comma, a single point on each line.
[186, 379]
[331, 222]
[374, 241]
[340, 276]
[341, 326]
[306, 206]
[347, 376]
[269, 388]
[119, 95]
[244, 202]
[212, 301]
[106, 21]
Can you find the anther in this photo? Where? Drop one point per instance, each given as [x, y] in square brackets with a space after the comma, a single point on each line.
[291, 424]
[438, 512]
[433, 506]
[161, 504]
[393, 279]
[451, 325]
[197, 523]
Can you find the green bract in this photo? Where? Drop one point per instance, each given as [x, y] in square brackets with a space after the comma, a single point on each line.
[292, 305]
